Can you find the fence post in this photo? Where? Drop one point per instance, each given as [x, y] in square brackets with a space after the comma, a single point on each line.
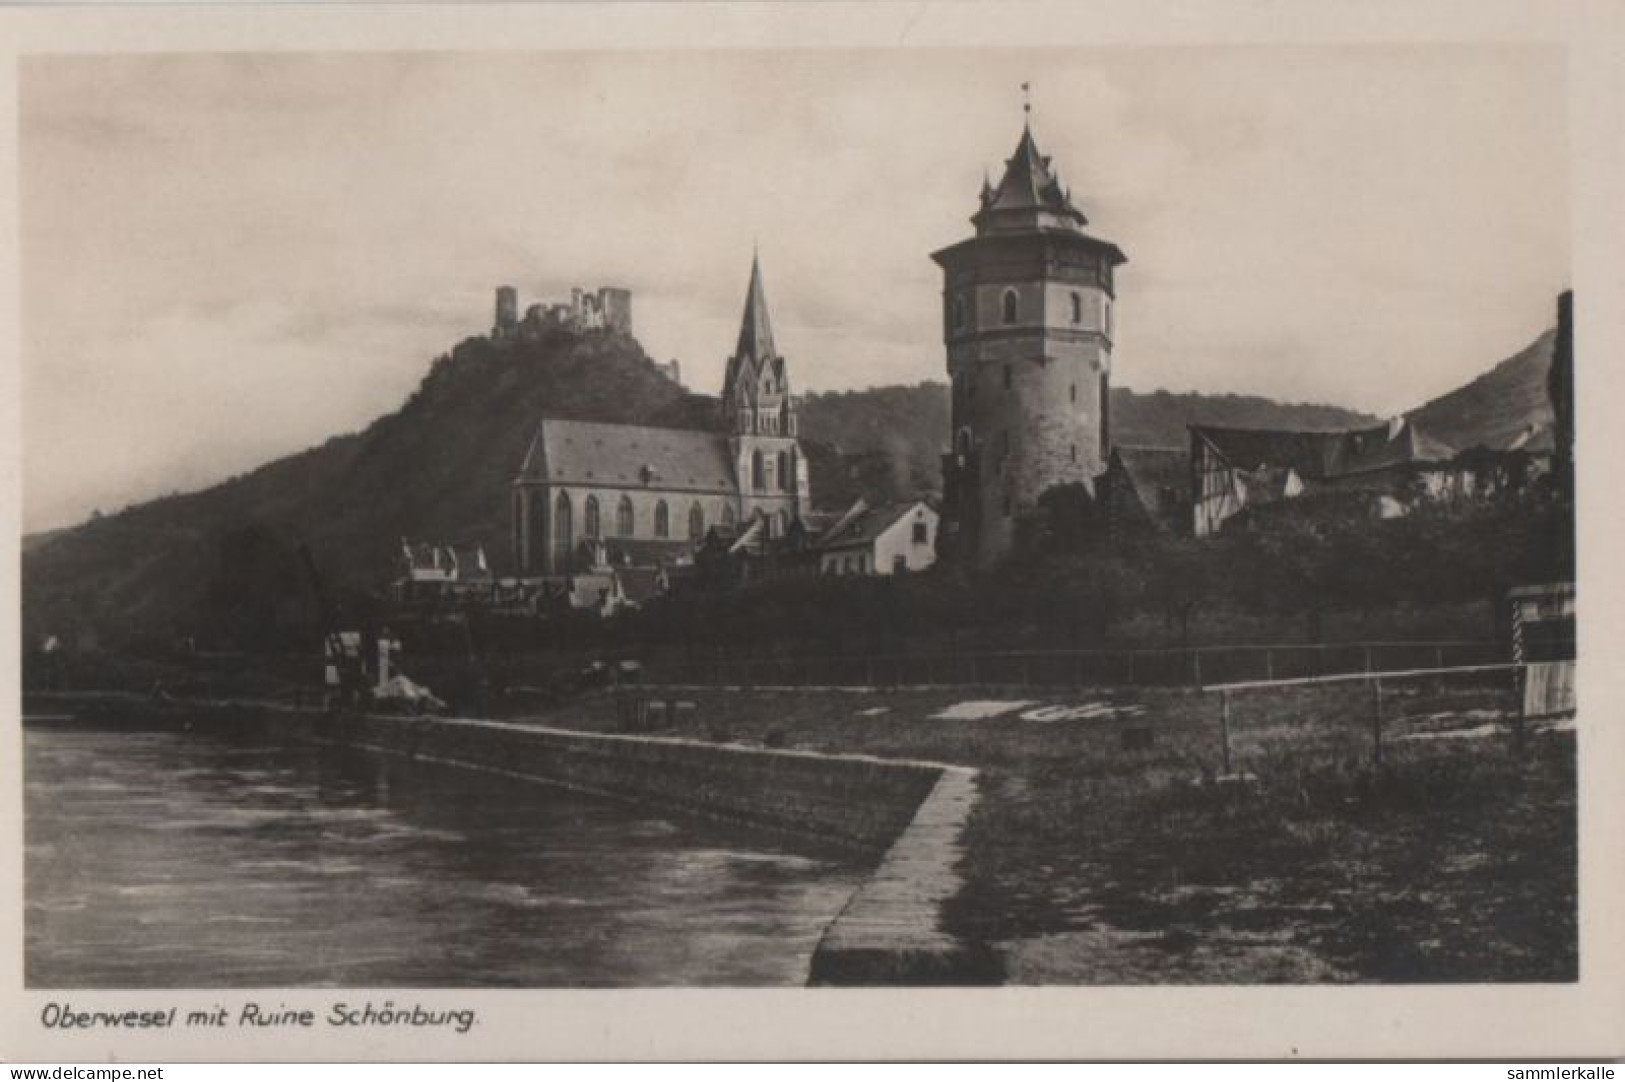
[1520, 722]
[1376, 723]
[1368, 659]
[1438, 657]
[1224, 728]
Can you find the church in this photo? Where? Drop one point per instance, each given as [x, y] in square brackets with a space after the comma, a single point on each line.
[655, 493]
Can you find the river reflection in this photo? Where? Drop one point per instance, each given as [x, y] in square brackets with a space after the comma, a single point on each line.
[174, 860]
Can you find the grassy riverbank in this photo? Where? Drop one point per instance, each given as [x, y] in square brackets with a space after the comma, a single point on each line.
[1111, 846]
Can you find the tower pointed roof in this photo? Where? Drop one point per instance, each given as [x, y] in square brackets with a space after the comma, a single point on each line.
[755, 330]
[1028, 192]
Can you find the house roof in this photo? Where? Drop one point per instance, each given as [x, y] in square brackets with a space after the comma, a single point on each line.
[1323, 456]
[624, 552]
[639, 584]
[867, 523]
[1157, 473]
[591, 454]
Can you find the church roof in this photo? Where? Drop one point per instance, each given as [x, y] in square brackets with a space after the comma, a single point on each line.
[590, 454]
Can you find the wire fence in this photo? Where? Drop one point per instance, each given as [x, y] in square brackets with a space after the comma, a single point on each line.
[1264, 725]
[1200, 666]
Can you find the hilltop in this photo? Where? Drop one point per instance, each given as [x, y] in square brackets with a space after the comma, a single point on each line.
[1494, 408]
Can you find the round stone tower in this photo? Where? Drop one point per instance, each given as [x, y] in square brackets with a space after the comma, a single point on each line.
[1027, 318]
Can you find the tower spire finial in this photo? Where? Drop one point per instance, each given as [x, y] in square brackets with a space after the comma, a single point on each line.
[1026, 103]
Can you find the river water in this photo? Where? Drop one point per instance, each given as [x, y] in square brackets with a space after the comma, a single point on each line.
[159, 860]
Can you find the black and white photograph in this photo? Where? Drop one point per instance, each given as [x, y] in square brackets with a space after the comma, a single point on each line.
[797, 516]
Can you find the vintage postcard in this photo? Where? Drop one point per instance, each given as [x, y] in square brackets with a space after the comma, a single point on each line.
[813, 531]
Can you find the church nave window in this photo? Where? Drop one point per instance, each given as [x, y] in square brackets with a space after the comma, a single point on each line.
[662, 520]
[590, 524]
[563, 529]
[696, 522]
[625, 521]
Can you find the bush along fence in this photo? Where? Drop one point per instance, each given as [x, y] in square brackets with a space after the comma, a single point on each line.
[1201, 666]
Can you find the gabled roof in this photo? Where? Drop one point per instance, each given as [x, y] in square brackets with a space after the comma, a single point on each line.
[1157, 472]
[868, 524]
[1324, 456]
[588, 454]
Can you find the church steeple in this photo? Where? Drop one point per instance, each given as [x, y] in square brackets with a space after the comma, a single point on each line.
[756, 390]
[755, 330]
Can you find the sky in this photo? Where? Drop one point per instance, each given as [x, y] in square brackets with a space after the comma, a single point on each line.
[231, 257]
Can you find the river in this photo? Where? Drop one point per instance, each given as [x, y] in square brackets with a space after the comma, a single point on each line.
[178, 860]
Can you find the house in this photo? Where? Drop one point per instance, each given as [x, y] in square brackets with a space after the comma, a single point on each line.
[429, 570]
[1388, 467]
[1145, 489]
[889, 539]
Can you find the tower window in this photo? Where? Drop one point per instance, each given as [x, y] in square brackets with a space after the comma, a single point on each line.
[784, 472]
[1077, 308]
[1074, 392]
[1106, 315]
[757, 472]
[1074, 452]
[1012, 306]
[959, 313]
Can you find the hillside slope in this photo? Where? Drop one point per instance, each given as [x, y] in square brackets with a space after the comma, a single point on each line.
[1496, 406]
[438, 468]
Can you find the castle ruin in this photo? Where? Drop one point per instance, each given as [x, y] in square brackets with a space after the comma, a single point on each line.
[609, 309]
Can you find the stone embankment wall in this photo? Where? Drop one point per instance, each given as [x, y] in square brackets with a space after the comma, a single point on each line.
[911, 814]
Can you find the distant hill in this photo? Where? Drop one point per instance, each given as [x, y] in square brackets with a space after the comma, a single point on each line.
[884, 443]
[438, 468]
[1496, 406]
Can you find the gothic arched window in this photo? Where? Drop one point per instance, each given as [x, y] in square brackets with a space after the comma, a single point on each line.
[563, 526]
[589, 523]
[662, 520]
[624, 518]
[1012, 306]
[756, 471]
[696, 522]
[784, 472]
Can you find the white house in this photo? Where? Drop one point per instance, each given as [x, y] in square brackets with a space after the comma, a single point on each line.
[885, 540]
